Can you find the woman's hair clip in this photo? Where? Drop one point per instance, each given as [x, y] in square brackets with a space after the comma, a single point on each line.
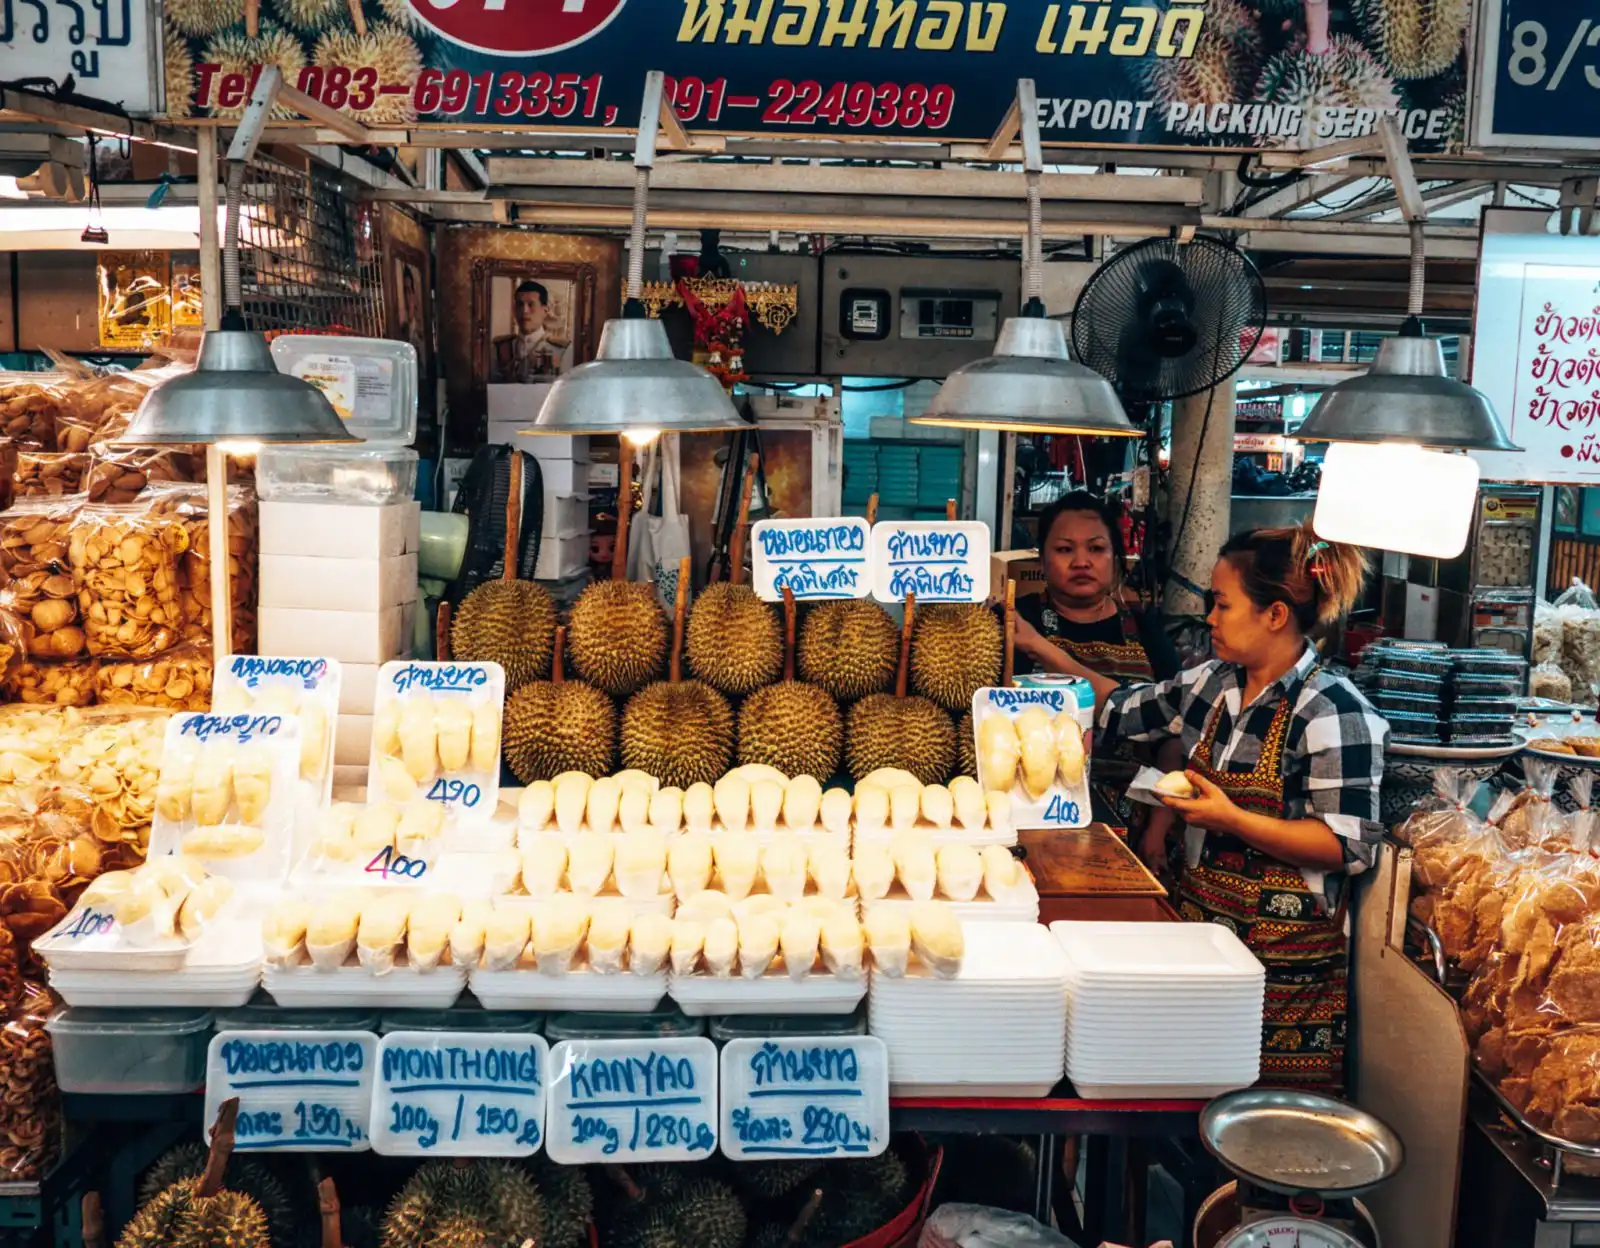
[1315, 549]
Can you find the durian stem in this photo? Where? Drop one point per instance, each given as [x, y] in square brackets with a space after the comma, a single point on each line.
[358, 17]
[905, 648]
[797, 1228]
[872, 509]
[328, 1208]
[441, 633]
[949, 509]
[789, 613]
[513, 515]
[94, 1221]
[619, 552]
[557, 676]
[679, 606]
[736, 543]
[221, 1149]
[1009, 671]
[624, 1180]
[252, 17]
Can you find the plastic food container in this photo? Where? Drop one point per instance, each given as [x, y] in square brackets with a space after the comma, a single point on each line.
[371, 382]
[1475, 685]
[1406, 726]
[129, 1051]
[760, 1026]
[1405, 703]
[1500, 705]
[1479, 726]
[1488, 663]
[1414, 659]
[275, 1018]
[599, 1026]
[337, 474]
[460, 1018]
[1393, 680]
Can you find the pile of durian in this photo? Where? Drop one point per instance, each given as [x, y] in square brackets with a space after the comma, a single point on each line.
[418, 737]
[349, 832]
[561, 935]
[951, 872]
[752, 798]
[221, 791]
[307, 707]
[715, 935]
[890, 801]
[377, 927]
[1035, 750]
[168, 897]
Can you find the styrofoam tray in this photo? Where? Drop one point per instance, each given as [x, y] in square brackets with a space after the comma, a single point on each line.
[1155, 1091]
[775, 992]
[1130, 1009]
[1206, 951]
[957, 1091]
[151, 990]
[981, 909]
[578, 989]
[107, 950]
[310, 987]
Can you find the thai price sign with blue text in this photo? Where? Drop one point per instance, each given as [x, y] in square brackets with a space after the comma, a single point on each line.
[299, 1091]
[650, 1099]
[459, 1094]
[805, 1096]
[828, 557]
[937, 560]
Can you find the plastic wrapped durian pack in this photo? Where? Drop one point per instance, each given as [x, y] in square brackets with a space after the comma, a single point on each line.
[306, 689]
[227, 793]
[436, 736]
[349, 835]
[1030, 744]
[169, 901]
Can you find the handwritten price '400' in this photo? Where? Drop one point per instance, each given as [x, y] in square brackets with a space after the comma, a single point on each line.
[1529, 65]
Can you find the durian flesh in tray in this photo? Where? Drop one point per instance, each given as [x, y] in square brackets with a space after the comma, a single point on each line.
[307, 707]
[348, 832]
[222, 790]
[166, 898]
[421, 737]
[1036, 750]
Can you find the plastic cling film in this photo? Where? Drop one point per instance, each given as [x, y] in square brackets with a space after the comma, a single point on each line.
[436, 736]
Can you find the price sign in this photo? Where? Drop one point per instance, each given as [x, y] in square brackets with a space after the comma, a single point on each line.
[937, 560]
[824, 558]
[299, 1091]
[822, 1096]
[632, 1100]
[459, 1094]
[466, 734]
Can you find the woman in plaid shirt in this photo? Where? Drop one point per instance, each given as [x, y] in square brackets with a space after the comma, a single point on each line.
[1285, 760]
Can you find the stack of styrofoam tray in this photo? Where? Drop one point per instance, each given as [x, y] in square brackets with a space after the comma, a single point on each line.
[525, 988]
[1021, 907]
[936, 834]
[1160, 1009]
[776, 992]
[223, 969]
[997, 1028]
[662, 903]
[310, 987]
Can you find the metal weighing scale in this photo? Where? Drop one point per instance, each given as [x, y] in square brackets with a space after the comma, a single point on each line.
[1301, 1161]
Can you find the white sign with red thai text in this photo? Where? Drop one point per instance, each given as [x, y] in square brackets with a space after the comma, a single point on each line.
[1536, 355]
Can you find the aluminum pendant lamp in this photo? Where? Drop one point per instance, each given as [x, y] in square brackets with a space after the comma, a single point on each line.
[1406, 397]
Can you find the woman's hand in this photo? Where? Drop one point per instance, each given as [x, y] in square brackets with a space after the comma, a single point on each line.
[1028, 638]
[1212, 809]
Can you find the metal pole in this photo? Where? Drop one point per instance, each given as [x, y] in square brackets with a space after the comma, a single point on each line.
[1200, 495]
[221, 581]
[210, 238]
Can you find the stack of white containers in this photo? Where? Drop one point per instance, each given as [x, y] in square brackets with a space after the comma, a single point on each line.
[1158, 1010]
[996, 1029]
[564, 469]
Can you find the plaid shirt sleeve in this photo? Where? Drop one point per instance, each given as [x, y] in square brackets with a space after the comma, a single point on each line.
[1156, 710]
[1343, 753]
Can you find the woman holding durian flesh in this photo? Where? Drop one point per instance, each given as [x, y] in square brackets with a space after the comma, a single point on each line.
[1286, 759]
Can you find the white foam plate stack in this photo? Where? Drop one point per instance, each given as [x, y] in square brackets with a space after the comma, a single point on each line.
[776, 992]
[312, 988]
[1160, 1010]
[223, 968]
[996, 1029]
[578, 989]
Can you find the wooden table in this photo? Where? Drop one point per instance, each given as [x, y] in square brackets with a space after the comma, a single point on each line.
[1091, 873]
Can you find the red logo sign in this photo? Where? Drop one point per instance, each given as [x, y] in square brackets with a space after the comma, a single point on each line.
[520, 27]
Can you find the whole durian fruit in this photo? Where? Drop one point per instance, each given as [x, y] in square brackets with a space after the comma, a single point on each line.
[966, 750]
[511, 623]
[679, 731]
[568, 1200]
[179, 1217]
[245, 1175]
[734, 642]
[893, 730]
[701, 1213]
[793, 726]
[849, 648]
[764, 1180]
[617, 636]
[956, 649]
[1413, 38]
[1226, 57]
[557, 725]
[1345, 76]
[494, 1198]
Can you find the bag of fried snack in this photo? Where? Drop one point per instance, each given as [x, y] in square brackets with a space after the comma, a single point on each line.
[1522, 814]
[125, 564]
[178, 680]
[49, 474]
[29, 406]
[187, 503]
[36, 581]
[120, 474]
[1562, 1087]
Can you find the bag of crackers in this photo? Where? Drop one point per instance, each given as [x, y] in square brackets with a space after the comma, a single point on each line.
[37, 585]
[125, 564]
[30, 1108]
[188, 504]
[30, 404]
[176, 680]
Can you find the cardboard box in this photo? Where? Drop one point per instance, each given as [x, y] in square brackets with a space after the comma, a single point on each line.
[565, 514]
[1025, 567]
[352, 744]
[349, 636]
[350, 782]
[340, 530]
[337, 584]
[358, 688]
[562, 557]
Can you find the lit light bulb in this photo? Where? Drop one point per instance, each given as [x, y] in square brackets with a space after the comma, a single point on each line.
[641, 437]
[239, 448]
[1397, 496]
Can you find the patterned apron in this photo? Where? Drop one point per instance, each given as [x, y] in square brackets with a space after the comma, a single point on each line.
[1113, 771]
[1267, 905]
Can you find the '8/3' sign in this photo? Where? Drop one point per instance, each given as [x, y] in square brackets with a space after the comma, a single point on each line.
[527, 27]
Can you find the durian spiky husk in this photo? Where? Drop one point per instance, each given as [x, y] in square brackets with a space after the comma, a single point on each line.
[764, 1180]
[178, 1218]
[1413, 38]
[617, 636]
[850, 648]
[512, 623]
[552, 728]
[956, 649]
[1346, 76]
[966, 750]
[496, 1196]
[178, 69]
[245, 1175]
[203, 17]
[1224, 64]
[793, 726]
[312, 16]
[734, 641]
[910, 733]
[679, 733]
[236, 53]
[388, 50]
[569, 1202]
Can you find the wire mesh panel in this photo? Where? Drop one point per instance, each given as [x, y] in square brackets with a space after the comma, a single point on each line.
[309, 254]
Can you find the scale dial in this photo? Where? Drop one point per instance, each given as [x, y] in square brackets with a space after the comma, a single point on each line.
[1289, 1232]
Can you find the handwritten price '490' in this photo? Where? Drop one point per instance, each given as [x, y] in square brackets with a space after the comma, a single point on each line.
[1528, 62]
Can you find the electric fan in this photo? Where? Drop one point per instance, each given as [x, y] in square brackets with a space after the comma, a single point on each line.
[1164, 319]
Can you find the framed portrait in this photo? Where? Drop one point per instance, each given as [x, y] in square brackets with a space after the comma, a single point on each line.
[408, 287]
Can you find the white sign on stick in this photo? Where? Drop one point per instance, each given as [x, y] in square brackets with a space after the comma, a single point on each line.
[632, 1100]
[937, 560]
[459, 1094]
[829, 557]
[299, 1091]
[805, 1096]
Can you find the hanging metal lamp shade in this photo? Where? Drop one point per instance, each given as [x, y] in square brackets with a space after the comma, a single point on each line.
[234, 394]
[1029, 385]
[636, 386]
[1406, 397]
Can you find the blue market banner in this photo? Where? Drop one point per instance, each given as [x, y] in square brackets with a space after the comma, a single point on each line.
[1539, 75]
[1213, 73]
